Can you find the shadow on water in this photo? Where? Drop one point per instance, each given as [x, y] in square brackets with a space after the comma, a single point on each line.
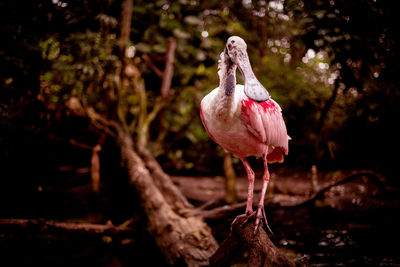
[353, 225]
[323, 237]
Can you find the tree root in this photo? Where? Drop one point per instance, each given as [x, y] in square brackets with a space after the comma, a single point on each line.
[231, 210]
[55, 227]
[243, 247]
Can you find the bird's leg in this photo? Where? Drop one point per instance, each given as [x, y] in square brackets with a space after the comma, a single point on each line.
[260, 209]
[250, 177]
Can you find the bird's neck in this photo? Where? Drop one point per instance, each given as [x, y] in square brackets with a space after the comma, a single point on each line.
[228, 82]
[226, 92]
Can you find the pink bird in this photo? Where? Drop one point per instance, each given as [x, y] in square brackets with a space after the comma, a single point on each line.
[244, 120]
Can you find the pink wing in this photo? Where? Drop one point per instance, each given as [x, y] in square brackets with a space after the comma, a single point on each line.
[265, 121]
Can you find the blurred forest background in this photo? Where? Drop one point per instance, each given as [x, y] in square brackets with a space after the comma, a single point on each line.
[73, 80]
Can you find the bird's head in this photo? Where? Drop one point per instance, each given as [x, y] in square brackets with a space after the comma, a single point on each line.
[235, 46]
[237, 51]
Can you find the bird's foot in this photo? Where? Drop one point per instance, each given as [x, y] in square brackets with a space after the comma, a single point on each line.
[237, 217]
[261, 215]
[248, 216]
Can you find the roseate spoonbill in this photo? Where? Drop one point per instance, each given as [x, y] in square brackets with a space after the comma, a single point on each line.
[244, 120]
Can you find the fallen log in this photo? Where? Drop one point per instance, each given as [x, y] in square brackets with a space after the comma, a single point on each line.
[180, 236]
[55, 227]
[220, 212]
[171, 193]
[374, 177]
[243, 247]
[201, 189]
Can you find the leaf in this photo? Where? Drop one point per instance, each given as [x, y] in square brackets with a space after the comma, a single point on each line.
[181, 34]
[158, 48]
[48, 76]
[142, 47]
[193, 20]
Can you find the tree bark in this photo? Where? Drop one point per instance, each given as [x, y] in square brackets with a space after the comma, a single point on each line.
[163, 181]
[169, 68]
[261, 250]
[126, 22]
[180, 239]
[327, 107]
[54, 227]
[95, 169]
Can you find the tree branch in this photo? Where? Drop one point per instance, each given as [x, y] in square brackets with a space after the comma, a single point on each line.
[95, 168]
[152, 66]
[102, 123]
[68, 227]
[220, 212]
[145, 118]
[327, 106]
[352, 176]
[126, 22]
[171, 193]
[80, 144]
[169, 68]
[274, 200]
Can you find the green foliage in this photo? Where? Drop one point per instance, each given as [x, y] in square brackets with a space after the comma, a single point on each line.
[84, 66]
[304, 52]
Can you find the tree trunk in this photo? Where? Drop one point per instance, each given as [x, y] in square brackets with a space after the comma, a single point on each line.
[95, 169]
[163, 181]
[180, 238]
[324, 114]
[230, 179]
[35, 226]
[241, 246]
[327, 106]
[125, 29]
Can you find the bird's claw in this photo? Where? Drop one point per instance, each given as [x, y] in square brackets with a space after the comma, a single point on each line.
[260, 215]
[257, 224]
[239, 216]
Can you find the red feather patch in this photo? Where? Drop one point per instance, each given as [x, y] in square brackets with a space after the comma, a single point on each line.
[267, 105]
[276, 155]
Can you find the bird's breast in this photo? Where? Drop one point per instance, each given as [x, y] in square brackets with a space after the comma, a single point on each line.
[226, 127]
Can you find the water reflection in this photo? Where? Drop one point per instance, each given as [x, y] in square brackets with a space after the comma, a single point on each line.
[326, 238]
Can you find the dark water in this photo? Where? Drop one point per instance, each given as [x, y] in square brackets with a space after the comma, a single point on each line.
[323, 237]
[324, 240]
[311, 236]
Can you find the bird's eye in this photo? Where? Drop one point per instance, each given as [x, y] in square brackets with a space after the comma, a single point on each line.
[233, 41]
